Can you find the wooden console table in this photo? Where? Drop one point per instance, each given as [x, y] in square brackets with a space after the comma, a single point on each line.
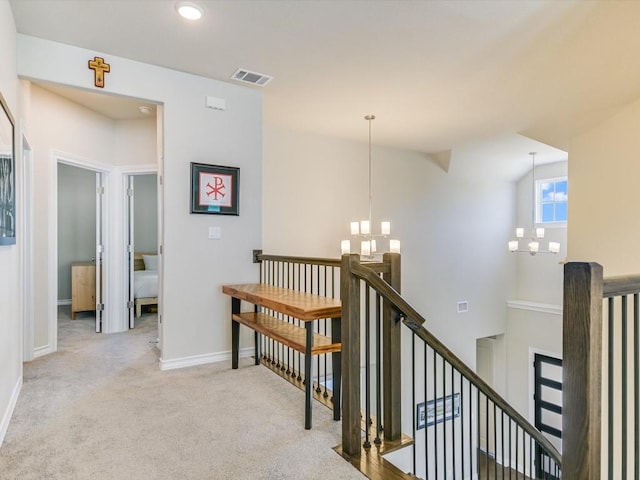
[306, 307]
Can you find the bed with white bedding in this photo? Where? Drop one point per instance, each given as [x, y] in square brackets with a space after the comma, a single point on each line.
[145, 280]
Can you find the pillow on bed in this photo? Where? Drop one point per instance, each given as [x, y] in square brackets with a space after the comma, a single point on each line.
[150, 262]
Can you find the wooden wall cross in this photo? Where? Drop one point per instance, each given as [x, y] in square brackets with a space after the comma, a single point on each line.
[99, 69]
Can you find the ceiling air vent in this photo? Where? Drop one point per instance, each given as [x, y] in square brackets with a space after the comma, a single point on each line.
[253, 78]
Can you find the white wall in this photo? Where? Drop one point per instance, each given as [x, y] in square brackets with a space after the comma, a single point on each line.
[195, 314]
[55, 124]
[454, 229]
[529, 331]
[604, 224]
[535, 313]
[10, 298]
[134, 142]
[540, 276]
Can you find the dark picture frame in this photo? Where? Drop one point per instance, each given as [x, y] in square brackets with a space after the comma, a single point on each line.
[7, 176]
[215, 189]
[439, 410]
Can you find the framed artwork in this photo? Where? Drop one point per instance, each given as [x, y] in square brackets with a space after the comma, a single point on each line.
[214, 189]
[7, 177]
[437, 411]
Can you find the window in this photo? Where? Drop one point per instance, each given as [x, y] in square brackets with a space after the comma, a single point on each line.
[551, 200]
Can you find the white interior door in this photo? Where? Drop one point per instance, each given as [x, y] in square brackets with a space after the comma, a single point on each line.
[100, 209]
[130, 250]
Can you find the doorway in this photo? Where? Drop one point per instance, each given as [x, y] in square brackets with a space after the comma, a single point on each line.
[141, 233]
[77, 128]
[82, 229]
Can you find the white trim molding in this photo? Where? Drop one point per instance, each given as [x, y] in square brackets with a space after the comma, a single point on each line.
[535, 306]
[8, 413]
[41, 351]
[202, 359]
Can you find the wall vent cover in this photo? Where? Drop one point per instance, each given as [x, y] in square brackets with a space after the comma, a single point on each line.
[247, 76]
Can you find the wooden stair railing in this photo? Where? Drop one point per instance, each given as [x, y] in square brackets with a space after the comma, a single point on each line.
[520, 457]
[601, 371]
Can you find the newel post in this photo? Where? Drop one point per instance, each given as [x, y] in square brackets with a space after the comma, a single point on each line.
[582, 370]
[391, 371]
[350, 296]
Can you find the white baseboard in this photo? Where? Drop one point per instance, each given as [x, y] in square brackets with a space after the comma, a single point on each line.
[6, 417]
[64, 302]
[40, 351]
[202, 359]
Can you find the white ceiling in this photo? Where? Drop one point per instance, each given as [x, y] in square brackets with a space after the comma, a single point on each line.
[438, 75]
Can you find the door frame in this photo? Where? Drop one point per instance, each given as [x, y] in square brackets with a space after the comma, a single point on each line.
[57, 157]
[28, 302]
[127, 172]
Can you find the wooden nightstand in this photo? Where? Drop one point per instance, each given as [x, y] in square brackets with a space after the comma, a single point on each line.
[83, 287]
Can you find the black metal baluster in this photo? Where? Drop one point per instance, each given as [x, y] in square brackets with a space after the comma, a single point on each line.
[486, 432]
[333, 295]
[285, 356]
[444, 416]
[624, 386]
[462, 424]
[531, 450]
[290, 352]
[377, 440]
[435, 411]
[611, 381]
[300, 288]
[453, 424]
[524, 453]
[413, 397]
[479, 447]
[510, 463]
[367, 366]
[636, 384]
[502, 439]
[426, 397]
[495, 443]
[516, 448]
[325, 394]
[471, 450]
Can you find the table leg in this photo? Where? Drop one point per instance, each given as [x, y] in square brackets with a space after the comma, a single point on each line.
[235, 333]
[336, 362]
[256, 339]
[307, 376]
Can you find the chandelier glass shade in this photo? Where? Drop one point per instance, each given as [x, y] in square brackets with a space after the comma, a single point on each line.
[537, 233]
[362, 231]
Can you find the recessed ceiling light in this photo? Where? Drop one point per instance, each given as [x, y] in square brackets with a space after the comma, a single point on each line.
[145, 110]
[189, 10]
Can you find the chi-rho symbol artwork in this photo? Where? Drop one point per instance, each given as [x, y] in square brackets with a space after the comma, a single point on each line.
[215, 190]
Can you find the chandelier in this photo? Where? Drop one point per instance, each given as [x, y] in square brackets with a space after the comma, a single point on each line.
[362, 230]
[537, 233]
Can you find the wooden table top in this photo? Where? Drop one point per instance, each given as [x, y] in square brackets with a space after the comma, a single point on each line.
[301, 305]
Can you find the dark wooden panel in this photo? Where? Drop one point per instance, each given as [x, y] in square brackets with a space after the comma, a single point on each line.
[582, 370]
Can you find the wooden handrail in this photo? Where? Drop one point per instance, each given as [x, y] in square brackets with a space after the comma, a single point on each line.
[622, 285]
[415, 321]
[379, 267]
[329, 262]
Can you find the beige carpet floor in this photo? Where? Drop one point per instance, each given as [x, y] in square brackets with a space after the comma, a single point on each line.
[100, 408]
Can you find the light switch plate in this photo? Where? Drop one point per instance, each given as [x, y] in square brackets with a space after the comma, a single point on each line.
[215, 233]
